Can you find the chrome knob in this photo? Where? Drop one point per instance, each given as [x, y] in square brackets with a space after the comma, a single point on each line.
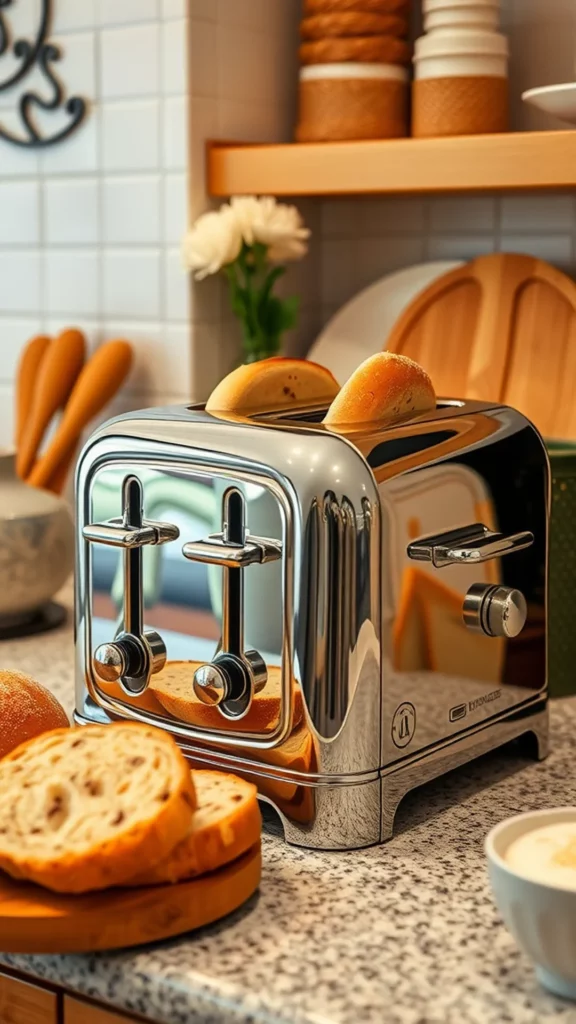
[211, 685]
[110, 662]
[495, 610]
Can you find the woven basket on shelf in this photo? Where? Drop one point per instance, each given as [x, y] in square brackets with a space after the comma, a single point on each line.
[340, 109]
[459, 106]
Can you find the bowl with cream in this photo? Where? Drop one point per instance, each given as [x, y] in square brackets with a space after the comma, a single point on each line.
[532, 867]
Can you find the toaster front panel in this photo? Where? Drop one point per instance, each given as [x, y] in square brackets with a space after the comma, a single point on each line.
[441, 675]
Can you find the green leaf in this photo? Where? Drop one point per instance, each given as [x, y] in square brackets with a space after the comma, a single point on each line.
[290, 309]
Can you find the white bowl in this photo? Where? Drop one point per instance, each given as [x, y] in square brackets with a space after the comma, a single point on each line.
[541, 916]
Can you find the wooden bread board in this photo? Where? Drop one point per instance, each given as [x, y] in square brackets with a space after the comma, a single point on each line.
[503, 329]
[35, 920]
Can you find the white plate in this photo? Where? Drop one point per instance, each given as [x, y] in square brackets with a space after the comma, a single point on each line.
[558, 100]
[361, 327]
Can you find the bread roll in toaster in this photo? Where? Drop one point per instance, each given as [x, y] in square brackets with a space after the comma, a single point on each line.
[271, 385]
[384, 389]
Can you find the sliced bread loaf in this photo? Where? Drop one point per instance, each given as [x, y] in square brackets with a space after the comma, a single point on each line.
[225, 824]
[80, 809]
[173, 688]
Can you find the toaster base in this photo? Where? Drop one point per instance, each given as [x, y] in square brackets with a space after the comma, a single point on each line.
[351, 815]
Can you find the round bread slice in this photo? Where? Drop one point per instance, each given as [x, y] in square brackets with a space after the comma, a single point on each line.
[273, 384]
[27, 709]
[226, 823]
[352, 23]
[80, 809]
[384, 389]
[173, 689]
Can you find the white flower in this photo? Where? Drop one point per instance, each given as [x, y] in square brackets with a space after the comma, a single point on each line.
[276, 225]
[214, 241]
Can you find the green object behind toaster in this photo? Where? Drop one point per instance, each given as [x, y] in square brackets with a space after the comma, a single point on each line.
[562, 574]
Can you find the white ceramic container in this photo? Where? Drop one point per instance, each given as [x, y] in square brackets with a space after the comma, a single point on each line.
[541, 917]
[478, 14]
[461, 53]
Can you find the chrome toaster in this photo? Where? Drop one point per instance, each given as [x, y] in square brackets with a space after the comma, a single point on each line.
[337, 616]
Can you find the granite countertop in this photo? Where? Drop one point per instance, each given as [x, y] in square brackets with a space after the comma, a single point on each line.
[406, 933]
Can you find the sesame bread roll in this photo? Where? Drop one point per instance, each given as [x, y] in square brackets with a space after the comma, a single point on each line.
[80, 809]
[384, 389]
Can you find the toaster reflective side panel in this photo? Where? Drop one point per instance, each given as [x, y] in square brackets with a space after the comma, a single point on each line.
[320, 602]
[471, 466]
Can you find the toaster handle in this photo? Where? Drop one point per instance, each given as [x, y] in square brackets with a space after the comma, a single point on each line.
[136, 653]
[468, 545]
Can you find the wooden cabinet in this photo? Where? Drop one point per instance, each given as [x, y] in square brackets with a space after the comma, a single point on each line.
[22, 1002]
[78, 1012]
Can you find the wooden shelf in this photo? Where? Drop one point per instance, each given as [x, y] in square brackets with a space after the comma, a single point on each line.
[520, 160]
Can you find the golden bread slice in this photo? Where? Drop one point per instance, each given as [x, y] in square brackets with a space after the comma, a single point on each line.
[172, 687]
[273, 384]
[226, 823]
[80, 809]
[384, 389]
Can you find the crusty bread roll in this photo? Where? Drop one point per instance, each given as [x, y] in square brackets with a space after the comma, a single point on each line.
[385, 388]
[363, 49]
[273, 384]
[352, 23]
[81, 808]
[27, 709]
[172, 687]
[226, 823]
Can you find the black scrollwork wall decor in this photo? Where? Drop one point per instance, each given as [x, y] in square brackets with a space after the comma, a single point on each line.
[42, 54]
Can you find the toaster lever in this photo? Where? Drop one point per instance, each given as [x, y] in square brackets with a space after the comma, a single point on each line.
[136, 653]
[469, 544]
[231, 679]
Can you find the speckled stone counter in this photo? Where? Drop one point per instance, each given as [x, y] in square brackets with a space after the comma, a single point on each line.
[406, 933]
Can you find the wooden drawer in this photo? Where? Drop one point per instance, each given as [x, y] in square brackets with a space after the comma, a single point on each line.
[78, 1012]
[24, 1003]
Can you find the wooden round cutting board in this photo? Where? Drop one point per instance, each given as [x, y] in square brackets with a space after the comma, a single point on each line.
[501, 329]
[35, 920]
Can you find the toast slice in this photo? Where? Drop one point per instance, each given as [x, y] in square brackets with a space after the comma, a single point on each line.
[80, 808]
[172, 687]
[225, 824]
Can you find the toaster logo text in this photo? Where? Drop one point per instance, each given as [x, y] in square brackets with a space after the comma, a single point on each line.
[485, 699]
[404, 725]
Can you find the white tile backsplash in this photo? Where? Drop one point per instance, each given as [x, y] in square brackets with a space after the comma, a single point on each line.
[479, 215]
[458, 247]
[71, 15]
[175, 132]
[131, 135]
[175, 57]
[15, 334]
[556, 249]
[72, 281]
[112, 12]
[20, 281]
[131, 284]
[177, 287]
[19, 213]
[536, 213]
[71, 211]
[175, 207]
[131, 209]
[130, 61]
